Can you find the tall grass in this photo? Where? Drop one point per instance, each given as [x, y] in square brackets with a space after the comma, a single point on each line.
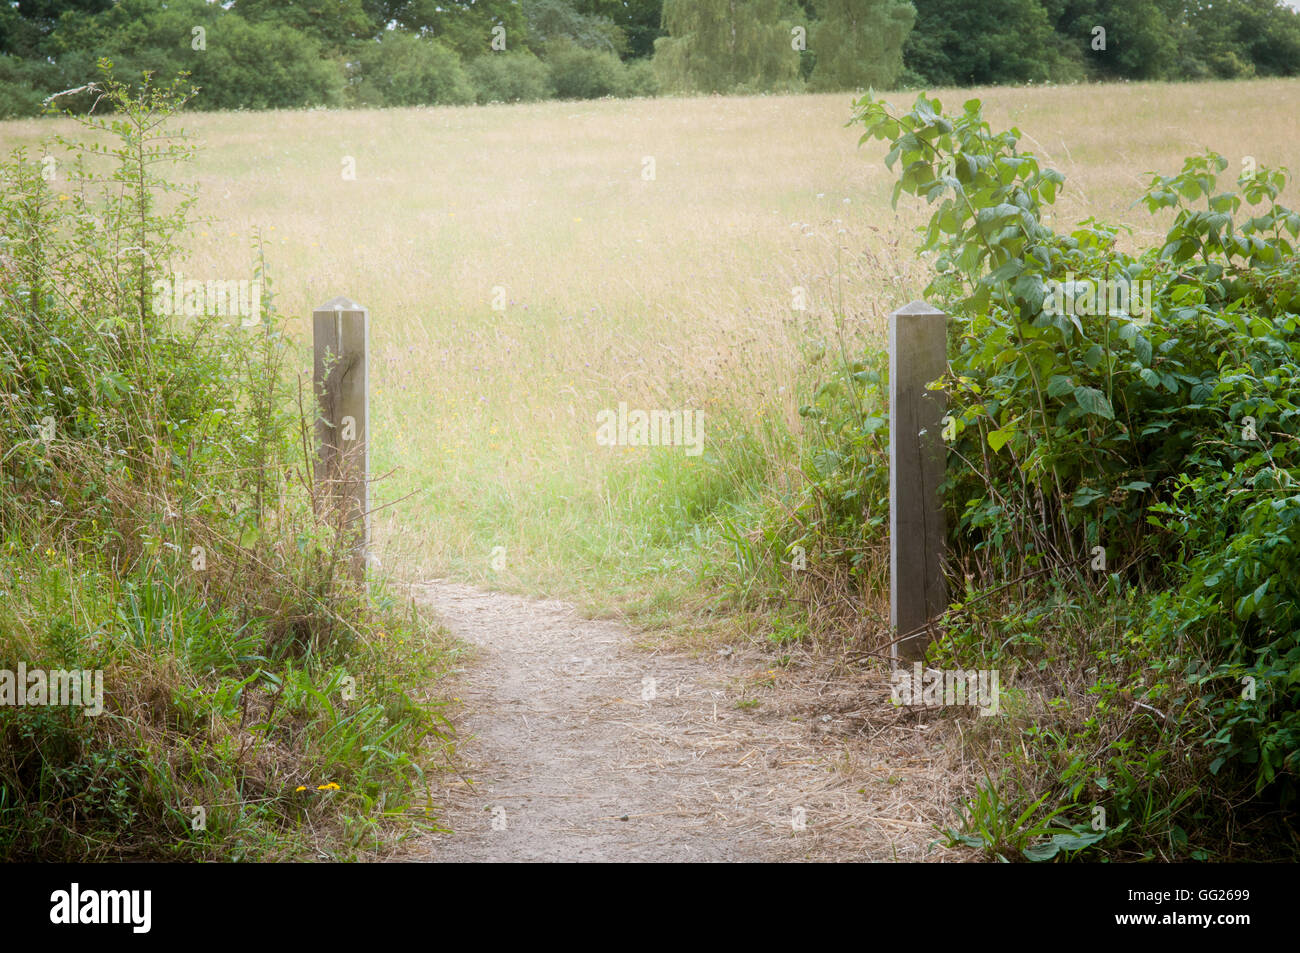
[670, 292]
[666, 292]
[159, 527]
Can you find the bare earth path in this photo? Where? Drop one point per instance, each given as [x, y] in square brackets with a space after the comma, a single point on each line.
[582, 746]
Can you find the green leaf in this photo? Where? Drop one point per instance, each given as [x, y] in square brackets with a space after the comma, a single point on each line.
[1077, 841]
[1059, 386]
[1006, 271]
[872, 424]
[1142, 347]
[1093, 401]
[1041, 852]
[1086, 495]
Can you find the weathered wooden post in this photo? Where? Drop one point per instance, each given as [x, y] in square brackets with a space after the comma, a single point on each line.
[341, 333]
[918, 354]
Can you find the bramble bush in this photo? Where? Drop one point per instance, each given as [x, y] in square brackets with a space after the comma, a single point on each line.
[1121, 486]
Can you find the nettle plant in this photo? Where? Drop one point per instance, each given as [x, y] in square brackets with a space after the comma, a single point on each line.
[1127, 419]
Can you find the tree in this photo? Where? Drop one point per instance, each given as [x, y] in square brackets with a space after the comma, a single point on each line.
[982, 42]
[859, 43]
[640, 20]
[718, 46]
[510, 78]
[1230, 34]
[262, 65]
[1140, 41]
[25, 26]
[335, 24]
[579, 73]
[467, 26]
[556, 21]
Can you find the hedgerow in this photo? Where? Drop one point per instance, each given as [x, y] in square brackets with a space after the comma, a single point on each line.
[1122, 494]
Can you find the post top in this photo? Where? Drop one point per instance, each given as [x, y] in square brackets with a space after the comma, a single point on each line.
[919, 307]
[340, 303]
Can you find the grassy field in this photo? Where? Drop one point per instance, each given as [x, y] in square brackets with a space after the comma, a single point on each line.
[673, 291]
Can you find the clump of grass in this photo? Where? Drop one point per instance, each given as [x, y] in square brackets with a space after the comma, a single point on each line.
[160, 528]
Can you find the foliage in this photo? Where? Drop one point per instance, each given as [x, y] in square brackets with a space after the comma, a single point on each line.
[978, 42]
[964, 43]
[557, 22]
[719, 46]
[1150, 448]
[577, 73]
[235, 63]
[151, 528]
[638, 79]
[510, 78]
[1141, 36]
[405, 70]
[859, 43]
[259, 54]
[846, 505]
[334, 25]
[23, 84]
[466, 26]
[640, 20]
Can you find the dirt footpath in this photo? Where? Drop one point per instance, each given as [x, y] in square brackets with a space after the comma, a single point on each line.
[582, 746]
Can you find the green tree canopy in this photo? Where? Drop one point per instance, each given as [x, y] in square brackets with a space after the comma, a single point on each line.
[464, 25]
[335, 24]
[981, 42]
[717, 46]
[557, 21]
[859, 43]
[640, 20]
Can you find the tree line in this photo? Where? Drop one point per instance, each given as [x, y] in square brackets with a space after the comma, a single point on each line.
[258, 54]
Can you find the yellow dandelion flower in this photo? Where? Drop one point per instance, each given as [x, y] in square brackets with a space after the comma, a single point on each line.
[301, 787]
[327, 787]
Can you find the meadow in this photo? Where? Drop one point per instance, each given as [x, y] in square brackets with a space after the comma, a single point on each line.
[528, 266]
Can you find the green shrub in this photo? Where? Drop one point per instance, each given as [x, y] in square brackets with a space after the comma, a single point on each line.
[638, 79]
[264, 66]
[1123, 476]
[578, 73]
[406, 70]
[510, 78]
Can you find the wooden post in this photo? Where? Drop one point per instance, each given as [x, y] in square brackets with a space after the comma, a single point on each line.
[341, 333]
[918, 355]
